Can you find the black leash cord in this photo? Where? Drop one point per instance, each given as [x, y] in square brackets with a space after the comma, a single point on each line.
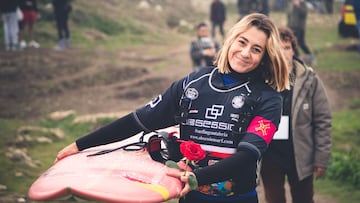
[140, 144]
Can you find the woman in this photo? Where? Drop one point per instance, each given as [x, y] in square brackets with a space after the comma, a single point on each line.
[232, 111]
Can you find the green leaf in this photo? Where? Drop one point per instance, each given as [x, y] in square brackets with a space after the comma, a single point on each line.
[171, 164]
[193, 182]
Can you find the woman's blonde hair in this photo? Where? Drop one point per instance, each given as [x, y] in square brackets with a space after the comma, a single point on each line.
[273, 64]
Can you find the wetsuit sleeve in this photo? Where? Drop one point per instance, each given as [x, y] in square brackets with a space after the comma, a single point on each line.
[242, 162]
[157, 114]
[118, 130]
[161, 111]
[263, 126]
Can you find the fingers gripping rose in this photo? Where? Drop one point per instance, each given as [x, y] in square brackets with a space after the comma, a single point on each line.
[192, 152]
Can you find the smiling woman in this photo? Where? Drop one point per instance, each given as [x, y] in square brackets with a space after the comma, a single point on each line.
[253, 42]
[245, 55]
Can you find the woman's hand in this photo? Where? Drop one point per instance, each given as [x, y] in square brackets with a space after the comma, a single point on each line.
[67, 151]
[184, 178]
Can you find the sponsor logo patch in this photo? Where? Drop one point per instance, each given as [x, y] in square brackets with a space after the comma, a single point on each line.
[238, 102]
[214, 112]
[192, 93]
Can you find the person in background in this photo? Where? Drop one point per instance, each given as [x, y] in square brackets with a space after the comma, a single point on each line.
[217, 17]
[264, 7]
[280, 5]
[356, 6]
[232, 111]
[29, 9]
[62, 9]
[203, 49]
[8, 9]
[243, 7]
[329, 5]
[296, 20]
[301, 147]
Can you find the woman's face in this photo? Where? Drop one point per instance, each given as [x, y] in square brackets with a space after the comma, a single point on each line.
[247, 50]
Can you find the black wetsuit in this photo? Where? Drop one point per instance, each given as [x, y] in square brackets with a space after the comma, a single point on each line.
[214, 104]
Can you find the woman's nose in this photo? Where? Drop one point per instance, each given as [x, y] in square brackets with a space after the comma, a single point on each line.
[245, 52]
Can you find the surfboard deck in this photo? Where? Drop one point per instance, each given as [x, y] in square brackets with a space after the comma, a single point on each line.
[119, 176]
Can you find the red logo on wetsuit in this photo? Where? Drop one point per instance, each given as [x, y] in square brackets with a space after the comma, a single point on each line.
[263, 128]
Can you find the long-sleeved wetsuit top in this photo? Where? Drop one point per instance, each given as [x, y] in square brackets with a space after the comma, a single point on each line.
[214, 105]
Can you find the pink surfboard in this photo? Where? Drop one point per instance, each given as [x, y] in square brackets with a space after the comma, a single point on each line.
[119, 176]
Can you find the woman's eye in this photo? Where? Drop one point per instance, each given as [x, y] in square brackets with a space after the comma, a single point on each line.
[256, 50]
[242, 42]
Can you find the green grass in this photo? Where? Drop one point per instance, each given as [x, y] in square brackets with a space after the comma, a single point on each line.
[337, 190]
[342, 180]
[346, 130]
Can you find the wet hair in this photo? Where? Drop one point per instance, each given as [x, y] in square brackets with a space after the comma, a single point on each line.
[273, 64]
[287, 35]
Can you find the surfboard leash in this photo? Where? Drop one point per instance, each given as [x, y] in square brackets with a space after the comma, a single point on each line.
[153, 146]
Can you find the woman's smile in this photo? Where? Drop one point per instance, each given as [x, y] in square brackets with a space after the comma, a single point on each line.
[246, 52]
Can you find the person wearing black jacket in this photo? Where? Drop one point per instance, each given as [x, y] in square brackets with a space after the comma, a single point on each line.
[217, 17]
[62, 9]
[232, 111]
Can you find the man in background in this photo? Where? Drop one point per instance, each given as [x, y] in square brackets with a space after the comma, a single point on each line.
[62, 9]
[296, 20]
[217, 17]
[203, 48]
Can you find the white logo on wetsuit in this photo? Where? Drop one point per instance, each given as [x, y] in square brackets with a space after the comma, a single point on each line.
[214, 112]
[192, 93]
[238, 101]
[155, 101]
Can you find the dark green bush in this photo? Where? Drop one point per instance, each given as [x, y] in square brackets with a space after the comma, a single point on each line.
[344, 167]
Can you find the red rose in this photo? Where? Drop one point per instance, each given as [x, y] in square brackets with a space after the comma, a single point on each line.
[192, 151]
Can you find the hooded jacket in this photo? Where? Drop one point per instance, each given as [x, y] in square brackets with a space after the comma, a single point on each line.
[311, 122]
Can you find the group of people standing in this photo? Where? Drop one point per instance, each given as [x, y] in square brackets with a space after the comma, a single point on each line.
[19, 18]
